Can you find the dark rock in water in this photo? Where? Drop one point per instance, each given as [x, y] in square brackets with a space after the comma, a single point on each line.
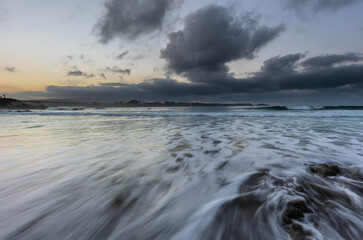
[297, 227]
[216, 142]
[188, 155]
[173, 169]
[326, 170]
[118, 200]
[212, 151]
[27, 110]
[297, 232]
[299, 189]
[252, 182]
[352, 173]
[295, 209]
[222, 165]
[236, 219]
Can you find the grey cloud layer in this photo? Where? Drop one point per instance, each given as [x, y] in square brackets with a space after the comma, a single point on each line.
[318, 5]
[285, 76]
[9, 69]
[330, 60]
[115, 69]
[122, 55]
[200, 52]
[211, 38]
[132, 18]
[78, 73]
[281, 65]
[278, 74]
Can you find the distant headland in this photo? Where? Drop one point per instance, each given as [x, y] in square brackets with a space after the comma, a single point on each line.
[11, 103]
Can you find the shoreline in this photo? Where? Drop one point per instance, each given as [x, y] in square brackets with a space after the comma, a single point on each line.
[10, 103]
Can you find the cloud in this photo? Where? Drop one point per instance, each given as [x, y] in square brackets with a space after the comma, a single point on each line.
[318, 5]
[284, 76]
[281, 65]
[83, 58]
[130, 19]
[122, 55]
[200, 51]
[103, 76]
[281, 74]
[330, 60]
[154, 89]
[78, 73]
[115, 69]
[73, 82]
[9, 69]
[138, 57]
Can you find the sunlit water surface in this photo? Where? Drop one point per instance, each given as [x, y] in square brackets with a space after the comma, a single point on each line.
[179, 173]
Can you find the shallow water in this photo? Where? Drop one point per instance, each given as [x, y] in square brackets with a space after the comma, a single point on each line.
[180, 173]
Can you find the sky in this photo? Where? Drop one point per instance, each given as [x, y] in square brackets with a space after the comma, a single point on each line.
[291, 52]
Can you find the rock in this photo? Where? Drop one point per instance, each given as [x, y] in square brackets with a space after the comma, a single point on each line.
[24, 110]
[299, 189]
[222, 165]
[297, 227]
[216, 142]
[325, 170]
[173, 169]
[297, 232]
[294, 210]
[212, 151]
[118, 200]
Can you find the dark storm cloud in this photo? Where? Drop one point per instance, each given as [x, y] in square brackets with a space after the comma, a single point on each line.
[329, 60]
[122, 55]
[281, 65]
[155, 89]
[318, 5]
[78, 73]
[10, 69]
[282, 78]
[103, 76]
[281, 74]
[324, 78]
[115, 69]
[211, 38]
[132, 18]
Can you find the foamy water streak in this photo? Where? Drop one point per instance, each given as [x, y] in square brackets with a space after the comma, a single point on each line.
[180, 173]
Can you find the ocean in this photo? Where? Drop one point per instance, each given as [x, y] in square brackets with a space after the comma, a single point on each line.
[182, 173]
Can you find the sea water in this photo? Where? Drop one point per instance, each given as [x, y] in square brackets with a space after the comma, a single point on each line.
[180, 173]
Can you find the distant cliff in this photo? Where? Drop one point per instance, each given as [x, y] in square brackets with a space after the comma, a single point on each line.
[11, 103]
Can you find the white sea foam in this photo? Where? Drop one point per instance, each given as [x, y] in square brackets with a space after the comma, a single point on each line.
[178, 173]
